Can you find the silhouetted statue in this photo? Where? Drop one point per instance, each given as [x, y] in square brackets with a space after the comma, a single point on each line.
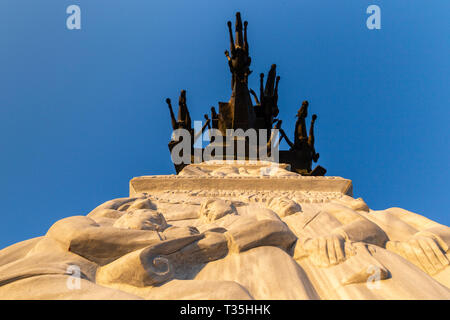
[302, 152]
[267, 105]
[184, 119]
[315, 156]
[207, 120]
[172, 115]
[183, 112]
[239, 61]
[184, 122]
[214, 118]
[301, 140]
[300, 136]
[239, 112]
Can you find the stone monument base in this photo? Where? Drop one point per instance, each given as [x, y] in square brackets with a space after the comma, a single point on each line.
[233, 231]
[257, 176]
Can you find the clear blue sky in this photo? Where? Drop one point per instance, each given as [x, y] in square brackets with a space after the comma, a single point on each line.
[82, 112]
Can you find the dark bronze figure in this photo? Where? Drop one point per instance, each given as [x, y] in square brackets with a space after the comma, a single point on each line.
[183, 112]
[214, 118]
[311, 140]
[239, 61]
[184, 118]
[184, 122]
[266, 108]
[240, 113]
[301, 140]
[302, 152]
[172, 115]
[300, 136]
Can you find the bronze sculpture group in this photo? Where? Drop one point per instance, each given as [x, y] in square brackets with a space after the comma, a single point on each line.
[240, 112]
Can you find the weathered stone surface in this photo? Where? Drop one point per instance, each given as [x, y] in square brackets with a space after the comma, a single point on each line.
[264, 183]
[236, 242]
[144, 267]
[54, 287]
[17, 251]
[284, 206]
[266, 272]
[189, 290]
[46, 258]
[212, 210]
[81, 235]
[261, 233]
[142, 219]
[263, 177]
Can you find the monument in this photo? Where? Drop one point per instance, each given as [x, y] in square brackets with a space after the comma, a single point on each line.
[244, 229]
[240, 113]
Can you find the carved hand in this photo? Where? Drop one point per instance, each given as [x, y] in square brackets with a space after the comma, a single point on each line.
[324, 251]
[426, 251]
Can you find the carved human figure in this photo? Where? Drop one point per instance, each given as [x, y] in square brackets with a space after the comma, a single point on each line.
[183, 256]
[421, 241]
[142, 219]
[345, 234]
[212, 210]
[283, 206]
[332, 244]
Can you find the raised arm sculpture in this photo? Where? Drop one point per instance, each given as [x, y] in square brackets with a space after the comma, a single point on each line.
[184, 119]
[302, 151]
[247, 109]
[184, 122]
[300, 136]
[214, 118]
[267, 103]
[315, 156]
[238, 58]
[238, 111]
[172, 115]
[183, 112]
[301, 139]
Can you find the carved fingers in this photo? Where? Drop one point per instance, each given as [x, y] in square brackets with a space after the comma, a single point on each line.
[324, 251]
[423, 251]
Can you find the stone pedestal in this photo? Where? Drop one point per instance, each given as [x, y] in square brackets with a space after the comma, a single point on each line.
[258, 176]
